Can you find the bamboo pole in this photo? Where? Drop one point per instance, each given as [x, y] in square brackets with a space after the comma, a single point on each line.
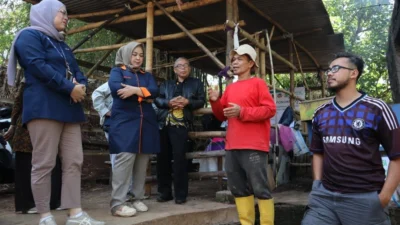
[229, 35]
[272, 33]
[138, 2]
[283, 37]
[139, 16]
[262, 64]
[235, 11]
[258, 69]
[299, 34]
[258, 44]
[149, 37]
[114, 11]
[203, 111]
[102, 13]
[232, 14]
[89, 65]
[190, 60]
[192, 23]
[292, 78]
[207, 134]
[104, 57]
[193, 51]
[160, 38]
[301, 68]
[323, 83]
[191, 36]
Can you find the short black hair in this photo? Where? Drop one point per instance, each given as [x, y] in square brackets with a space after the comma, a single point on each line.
[354, 59]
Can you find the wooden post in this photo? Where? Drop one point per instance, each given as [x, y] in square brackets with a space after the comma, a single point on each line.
[258, 69]
[323, 82]
[262, 64]
[229, 36]
[149, 37]
[235, 11]
[219, 164]
[104, 57]
[291, 74]
[149, 66]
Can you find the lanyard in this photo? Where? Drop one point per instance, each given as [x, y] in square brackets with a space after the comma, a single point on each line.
[61, 54]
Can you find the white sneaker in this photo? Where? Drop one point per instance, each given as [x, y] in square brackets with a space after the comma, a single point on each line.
[140, 206]
[32, 211]
[123, 211]
[48, 221]
[84, 219]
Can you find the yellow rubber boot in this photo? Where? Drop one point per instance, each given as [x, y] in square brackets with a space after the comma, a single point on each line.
[267, 211]
[246, 210]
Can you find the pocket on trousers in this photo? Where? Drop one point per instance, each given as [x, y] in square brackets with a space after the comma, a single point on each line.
[378, 200]
[316, 184]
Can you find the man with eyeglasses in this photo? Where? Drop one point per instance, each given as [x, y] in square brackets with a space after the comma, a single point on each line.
[176, 102]
[349, 185]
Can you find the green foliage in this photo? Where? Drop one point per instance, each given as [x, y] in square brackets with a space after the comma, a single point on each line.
[14, 15]
[365, 26]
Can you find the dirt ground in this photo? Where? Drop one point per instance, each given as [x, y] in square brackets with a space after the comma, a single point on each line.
[95, 199]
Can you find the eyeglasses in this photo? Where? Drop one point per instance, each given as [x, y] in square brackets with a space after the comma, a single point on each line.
[64, 12]
[182, 66]
[335, 69]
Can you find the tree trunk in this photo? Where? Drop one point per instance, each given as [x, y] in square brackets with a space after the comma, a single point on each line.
[393, 54]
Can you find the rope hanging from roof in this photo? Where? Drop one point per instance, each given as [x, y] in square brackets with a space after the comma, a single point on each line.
[236, 37]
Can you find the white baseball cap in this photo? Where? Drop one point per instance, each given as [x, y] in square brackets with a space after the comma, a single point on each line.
[245, 49]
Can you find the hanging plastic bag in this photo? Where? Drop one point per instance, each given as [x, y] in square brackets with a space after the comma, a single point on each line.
[299, 147]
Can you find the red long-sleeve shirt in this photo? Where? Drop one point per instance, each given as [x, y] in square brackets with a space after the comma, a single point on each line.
[251, 130]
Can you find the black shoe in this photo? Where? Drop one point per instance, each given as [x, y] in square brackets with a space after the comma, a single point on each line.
[180, 201]
[164, 199]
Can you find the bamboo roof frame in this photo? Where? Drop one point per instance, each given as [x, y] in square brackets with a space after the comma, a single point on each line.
[259, 12]
[191, 5]
[183, 34]
[160, 38]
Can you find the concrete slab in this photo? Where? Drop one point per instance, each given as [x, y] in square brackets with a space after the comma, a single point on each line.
[200, 209]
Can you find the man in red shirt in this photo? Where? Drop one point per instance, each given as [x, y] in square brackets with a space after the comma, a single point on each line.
[248, 106]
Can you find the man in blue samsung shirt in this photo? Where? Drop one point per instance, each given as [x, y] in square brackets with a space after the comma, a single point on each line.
[350, 187]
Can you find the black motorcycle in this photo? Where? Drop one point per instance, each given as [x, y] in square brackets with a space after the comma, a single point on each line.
[7, 158]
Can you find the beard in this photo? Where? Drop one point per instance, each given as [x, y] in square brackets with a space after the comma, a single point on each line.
[338, 86]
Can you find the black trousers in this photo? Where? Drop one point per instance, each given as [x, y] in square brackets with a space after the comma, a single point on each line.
[247, 173]
[23, 191]
[173, 146]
